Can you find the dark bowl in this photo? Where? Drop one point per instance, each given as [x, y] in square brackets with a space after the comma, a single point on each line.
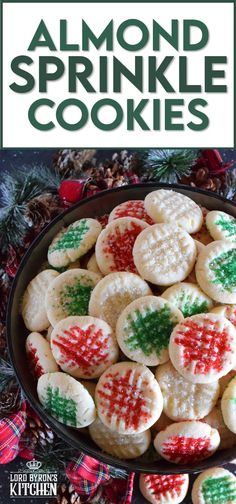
[102, 203]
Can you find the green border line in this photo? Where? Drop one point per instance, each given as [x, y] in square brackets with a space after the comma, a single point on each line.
[105, 2]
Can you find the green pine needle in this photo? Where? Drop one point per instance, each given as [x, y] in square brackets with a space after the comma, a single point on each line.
[17, 189]
[7, 375]
[169, 165]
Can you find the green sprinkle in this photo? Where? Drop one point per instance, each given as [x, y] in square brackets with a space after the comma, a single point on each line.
[224, 269]
[74, 299]
[150, 332]
[219, 490]
[71, 238]
[61, 408]
[187, 308]
[228, 225]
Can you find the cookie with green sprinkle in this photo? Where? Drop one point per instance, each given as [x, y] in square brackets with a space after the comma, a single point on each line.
[70, 294]
[144, 327]
[188, 298]
[214, 486]
[221, 226]
[66, 399]
[73, 242]
[216, 271]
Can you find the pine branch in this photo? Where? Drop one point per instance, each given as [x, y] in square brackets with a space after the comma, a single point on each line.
[55, 456]
[17, 189]
[169, 165]
[7, 375]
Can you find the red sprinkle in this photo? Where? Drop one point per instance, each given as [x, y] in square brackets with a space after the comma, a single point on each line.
[161, 485]
[124, 399]
[133, 209]
[203, 344]
[83, 348]
[120, 246]
[103, 219]
[186, 450]
[35, 365]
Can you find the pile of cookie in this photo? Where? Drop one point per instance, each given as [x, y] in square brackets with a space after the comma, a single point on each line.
[133, 328]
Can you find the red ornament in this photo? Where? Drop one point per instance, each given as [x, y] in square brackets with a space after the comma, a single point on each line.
[71, 191]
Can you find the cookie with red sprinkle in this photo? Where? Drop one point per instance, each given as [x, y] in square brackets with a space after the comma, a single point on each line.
[187, 442]
[84, 346]
[164, 488]
[203, 347]
[131, 208]
[114, 247]
[128, 398]
[39, 355]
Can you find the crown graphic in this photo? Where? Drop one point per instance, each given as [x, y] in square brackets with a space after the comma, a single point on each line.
[33, 465]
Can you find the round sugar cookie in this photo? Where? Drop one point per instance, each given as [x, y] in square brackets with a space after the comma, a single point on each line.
[221, 225]
[122, 446]
[228, 405]
[215, 419]
[69, 294]
[188, 298]
[172, 207]
[203, 347]
[131, 208]
[227, 311]
[113, 293]
[224, 381]
[66, 399]
[214, 486]
[39, 355]
[183, 400]
[187, 442]
[33, 308]
[144, 327]
[84, 346]
[164, 488]
[114, 247]
[128, 398]
[164, 254]
[216, 271]
[92, 265]
[73, 242]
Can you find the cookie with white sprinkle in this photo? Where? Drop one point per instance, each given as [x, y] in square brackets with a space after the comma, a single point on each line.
[172, 207]
[144, 327]
[33, 303]
[216, 271]
[203, 347]
[69, 294]
[164, 254]
[73, 242]
[188, 298]
[221, 225]
[184, 400]
[84, 346]
[122, 446]
[187, 442]
[114, 247]
[66, 399]
[228, 405]
[164, 488]
[215, 485]
[128, 398]
[113, 293]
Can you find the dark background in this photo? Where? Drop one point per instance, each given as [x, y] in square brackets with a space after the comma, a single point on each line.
[10, 159]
